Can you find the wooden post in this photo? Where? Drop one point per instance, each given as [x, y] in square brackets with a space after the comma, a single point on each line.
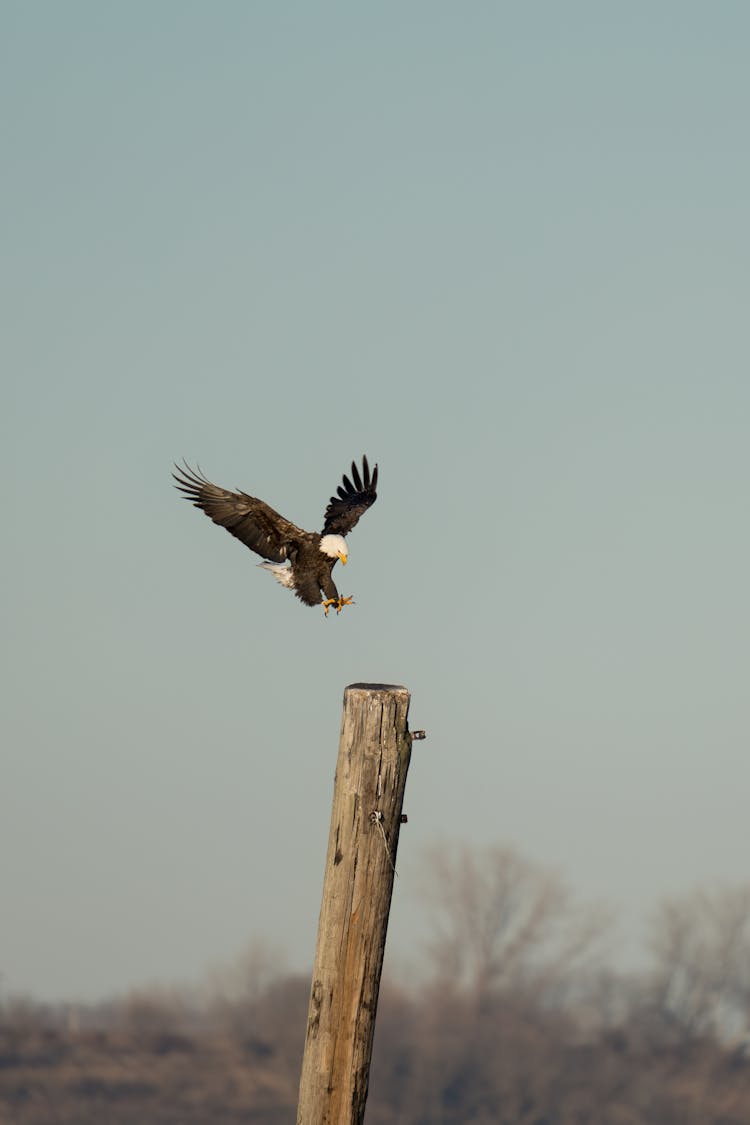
[374, 752]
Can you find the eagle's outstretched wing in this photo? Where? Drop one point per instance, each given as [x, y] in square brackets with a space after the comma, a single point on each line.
[251, 521]
[352, 501]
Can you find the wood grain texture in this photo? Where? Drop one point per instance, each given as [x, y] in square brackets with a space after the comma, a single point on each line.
[373, 760]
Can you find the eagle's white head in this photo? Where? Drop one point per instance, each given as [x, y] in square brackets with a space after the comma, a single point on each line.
[335, 547]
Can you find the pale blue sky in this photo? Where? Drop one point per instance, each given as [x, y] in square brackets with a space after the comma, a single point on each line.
[503, 249]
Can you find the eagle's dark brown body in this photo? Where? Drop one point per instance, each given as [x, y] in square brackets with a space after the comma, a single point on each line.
[301, 560]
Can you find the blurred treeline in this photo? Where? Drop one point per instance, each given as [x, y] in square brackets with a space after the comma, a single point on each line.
[514, 1016]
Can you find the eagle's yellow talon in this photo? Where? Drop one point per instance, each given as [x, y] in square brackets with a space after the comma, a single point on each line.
[339, 603]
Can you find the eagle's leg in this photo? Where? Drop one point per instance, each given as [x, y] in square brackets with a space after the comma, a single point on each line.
[339, 603]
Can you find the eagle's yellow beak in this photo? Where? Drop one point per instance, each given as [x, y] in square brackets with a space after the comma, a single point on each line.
[343, 558]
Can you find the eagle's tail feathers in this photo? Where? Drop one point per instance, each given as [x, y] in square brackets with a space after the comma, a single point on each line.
[282, 572]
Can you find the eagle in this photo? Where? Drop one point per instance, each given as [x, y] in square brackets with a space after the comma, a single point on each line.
[302, 561]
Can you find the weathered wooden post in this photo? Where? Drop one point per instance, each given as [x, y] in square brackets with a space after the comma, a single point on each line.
[373, 760]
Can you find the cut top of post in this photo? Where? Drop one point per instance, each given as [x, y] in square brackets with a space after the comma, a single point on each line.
[377, 687]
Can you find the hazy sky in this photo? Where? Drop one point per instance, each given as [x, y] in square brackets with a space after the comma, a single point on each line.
[504, 250]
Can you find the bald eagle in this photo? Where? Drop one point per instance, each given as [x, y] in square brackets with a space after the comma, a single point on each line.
[300, 560]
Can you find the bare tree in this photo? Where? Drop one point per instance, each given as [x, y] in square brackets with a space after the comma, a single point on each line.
[247, 975]
[500, 921]
[701, 948]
